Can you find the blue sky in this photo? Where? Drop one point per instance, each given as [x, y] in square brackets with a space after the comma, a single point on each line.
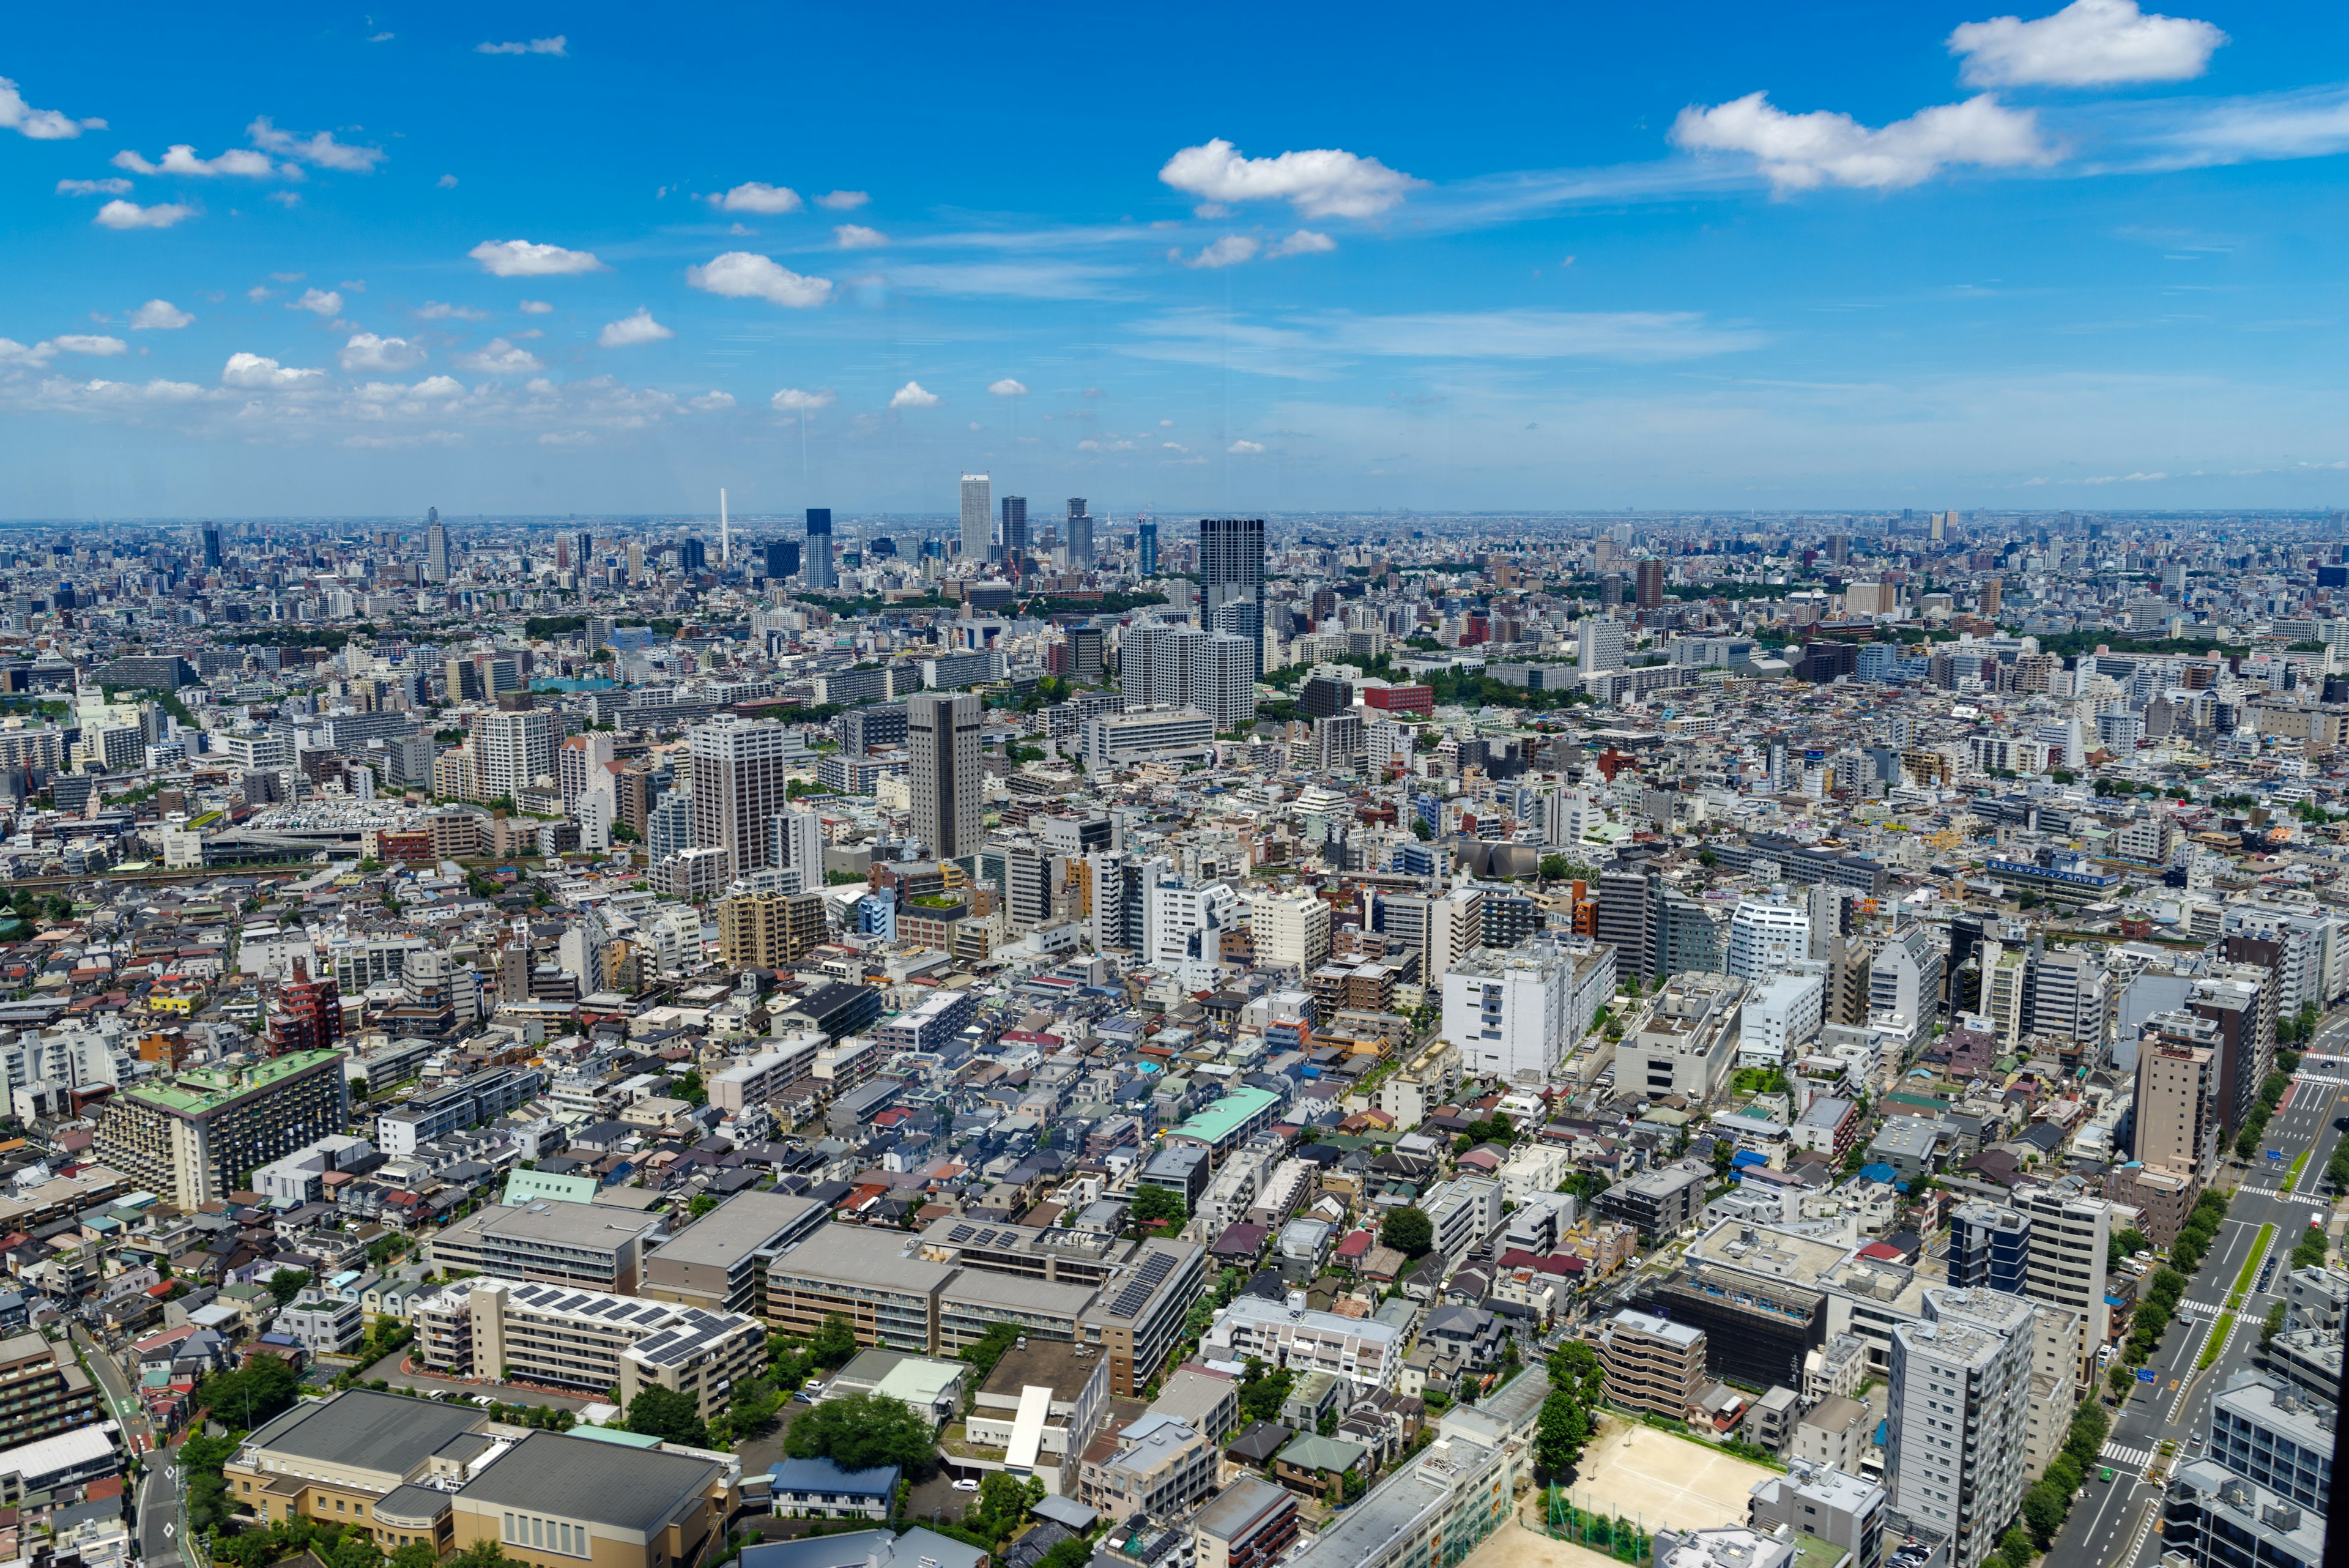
[564, 258]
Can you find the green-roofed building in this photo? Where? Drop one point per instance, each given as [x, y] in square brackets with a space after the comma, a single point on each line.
[529, 1186]
[1231, 1121]
[199, 1135]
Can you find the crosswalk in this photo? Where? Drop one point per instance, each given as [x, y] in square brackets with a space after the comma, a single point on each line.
[2118, 1453]
[2282, 1196]
[2331, 1078]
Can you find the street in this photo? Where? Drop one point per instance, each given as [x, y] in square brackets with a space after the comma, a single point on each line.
[159, 1485]
[2111, 1526]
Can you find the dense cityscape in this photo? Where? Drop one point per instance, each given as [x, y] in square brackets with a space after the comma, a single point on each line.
[1225, 1041]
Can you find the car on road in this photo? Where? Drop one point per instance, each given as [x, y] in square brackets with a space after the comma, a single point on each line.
[2106, 1476]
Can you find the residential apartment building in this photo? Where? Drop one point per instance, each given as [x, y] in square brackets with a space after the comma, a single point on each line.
[588, 1340]
[1364, 1350]
[1158, 1466]
[1650, 1363]
[195, 1138]
[720, 1261]
[587, 1246]
[875, 1279]
[43, 1391]
[1960, 1396]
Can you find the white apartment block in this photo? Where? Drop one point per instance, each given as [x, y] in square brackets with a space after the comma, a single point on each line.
[1766, 937]
[1289, 1333]
[1783, 1014]
[1464, 1211]
[1960, 1416]
[1290, 933]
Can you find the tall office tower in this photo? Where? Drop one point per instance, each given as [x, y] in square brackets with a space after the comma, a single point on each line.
[583, 554]
[1993, 594]
[1231, 571]
[436, 547]
[2177, 1110]
[1990, 1247]
[1154, 663]
[1610, 590]
[1145, 547]
[1839, 548]
[1223, 678]
[1623, 917]
[1012, 537]
[635, 561]
[782, 559]
[1652, 584]
[1081, 532]
[739, 774]
[1960, 1416]
[513, 750]
[212, 545]
[942, 730]
[821, 573]
[1601, 646]
[563, 552]
[977, 519]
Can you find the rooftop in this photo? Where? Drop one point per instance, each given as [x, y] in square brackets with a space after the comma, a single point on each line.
[627, 1489]
[366, 1431]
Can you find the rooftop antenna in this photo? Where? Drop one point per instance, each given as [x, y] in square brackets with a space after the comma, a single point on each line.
[725, 533]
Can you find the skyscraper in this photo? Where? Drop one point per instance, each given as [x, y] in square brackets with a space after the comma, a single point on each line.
[1145, 546]
[1231, 580]
[782, 559]
[1012, 537]
[436, 547]
[739, 774]
[1652, 584]
[583, 554]
[212, 545]
[942, 729]
[977, 519]
[818, 558]
[1081, 532]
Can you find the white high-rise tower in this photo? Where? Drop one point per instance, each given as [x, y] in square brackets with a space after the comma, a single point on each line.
[978, 517]
[725, 533]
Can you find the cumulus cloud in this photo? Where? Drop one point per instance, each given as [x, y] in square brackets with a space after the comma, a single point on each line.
[536, 308]
[2089, 43]
[521, 258]
[1802, 152]
[557, 44]
[1007, 388]
[182, 159]
[710, 403]
[1303, 242]
[434, 311]
[119, 214]
[320, 149]
[319, 302]
[631, 330]
[842, 201]
[447, 181]
[756, 196]
[1244, 449]
[365, 352]
[744, 275]
[1226, 251]
[93, 187]
[159, 315]
[912, 396]
[256, 373]
[857, 237]
[791, 401]
[40, 124]
[499, 356]
[1321, 184]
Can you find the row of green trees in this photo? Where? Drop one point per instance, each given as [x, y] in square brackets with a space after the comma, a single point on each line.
[2271, 1093]
[2049, 1499]
[1569, 1415]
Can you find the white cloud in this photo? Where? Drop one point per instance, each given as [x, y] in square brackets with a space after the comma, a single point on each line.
[284, 198]
[1244, 449]
[857, 237]
[77, 343]
[1303, 242]
[40, 124]
[499, 356]
[381, 37]
[320, 149]
[1007, 388]
[1801, 152]
[631, 330]
[1228, 251]
[2089, 43]
[557, 44]
[842, 201]
[791, 401]
[521, 258]
[756, 196]
[912, 396]
[1322, 184]
[252, 372]
[536, 308]
[93, 187]
[447, 181]
[257, 293]
[365, 352]
[159, 315]
[319, 302]
[434, 311]
[743, 274]
[710, 403]
[119, 214]
[180, 159]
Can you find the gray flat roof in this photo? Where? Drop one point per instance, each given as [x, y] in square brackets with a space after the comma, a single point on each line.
[736, 1229]
[368, 1431]
[604, 1483]
[860, 1255]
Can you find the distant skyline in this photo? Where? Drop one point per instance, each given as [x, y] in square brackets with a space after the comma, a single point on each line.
[523, 262]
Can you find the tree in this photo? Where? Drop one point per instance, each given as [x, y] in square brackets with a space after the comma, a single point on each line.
[671, 1417]
[264, 1387]
[1553, 868]
[858, 1431]
[1420, 830]
[416, 1554]
[1003, 1503]
[703, 1203]
[1155, 1206]
[286, 1284]
[2125, 1243]
[1409, 1232]
[1559, 1433]
[482, 1554]
[833, 1343]
[690, 1088]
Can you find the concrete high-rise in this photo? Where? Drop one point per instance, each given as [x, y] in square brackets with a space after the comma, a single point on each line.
[1145, 546]
[436, 547]
[1012, 535]
[1652, 584]
[1231, 580]
[739, 770]
[213, 544]
[513, 750]
[1599, 645]
[942, 730]
[817, 557]
[1959, 1405]
[1081, 532]
[977, 519]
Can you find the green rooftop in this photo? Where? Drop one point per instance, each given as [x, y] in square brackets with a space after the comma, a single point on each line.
[201, 1090]
[1227, 1116]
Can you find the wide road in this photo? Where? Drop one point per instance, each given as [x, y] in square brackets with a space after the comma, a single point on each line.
[158, 1484]
[2111, 1526]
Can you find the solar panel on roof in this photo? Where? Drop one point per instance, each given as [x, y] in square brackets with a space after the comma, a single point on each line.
[959, 1233]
